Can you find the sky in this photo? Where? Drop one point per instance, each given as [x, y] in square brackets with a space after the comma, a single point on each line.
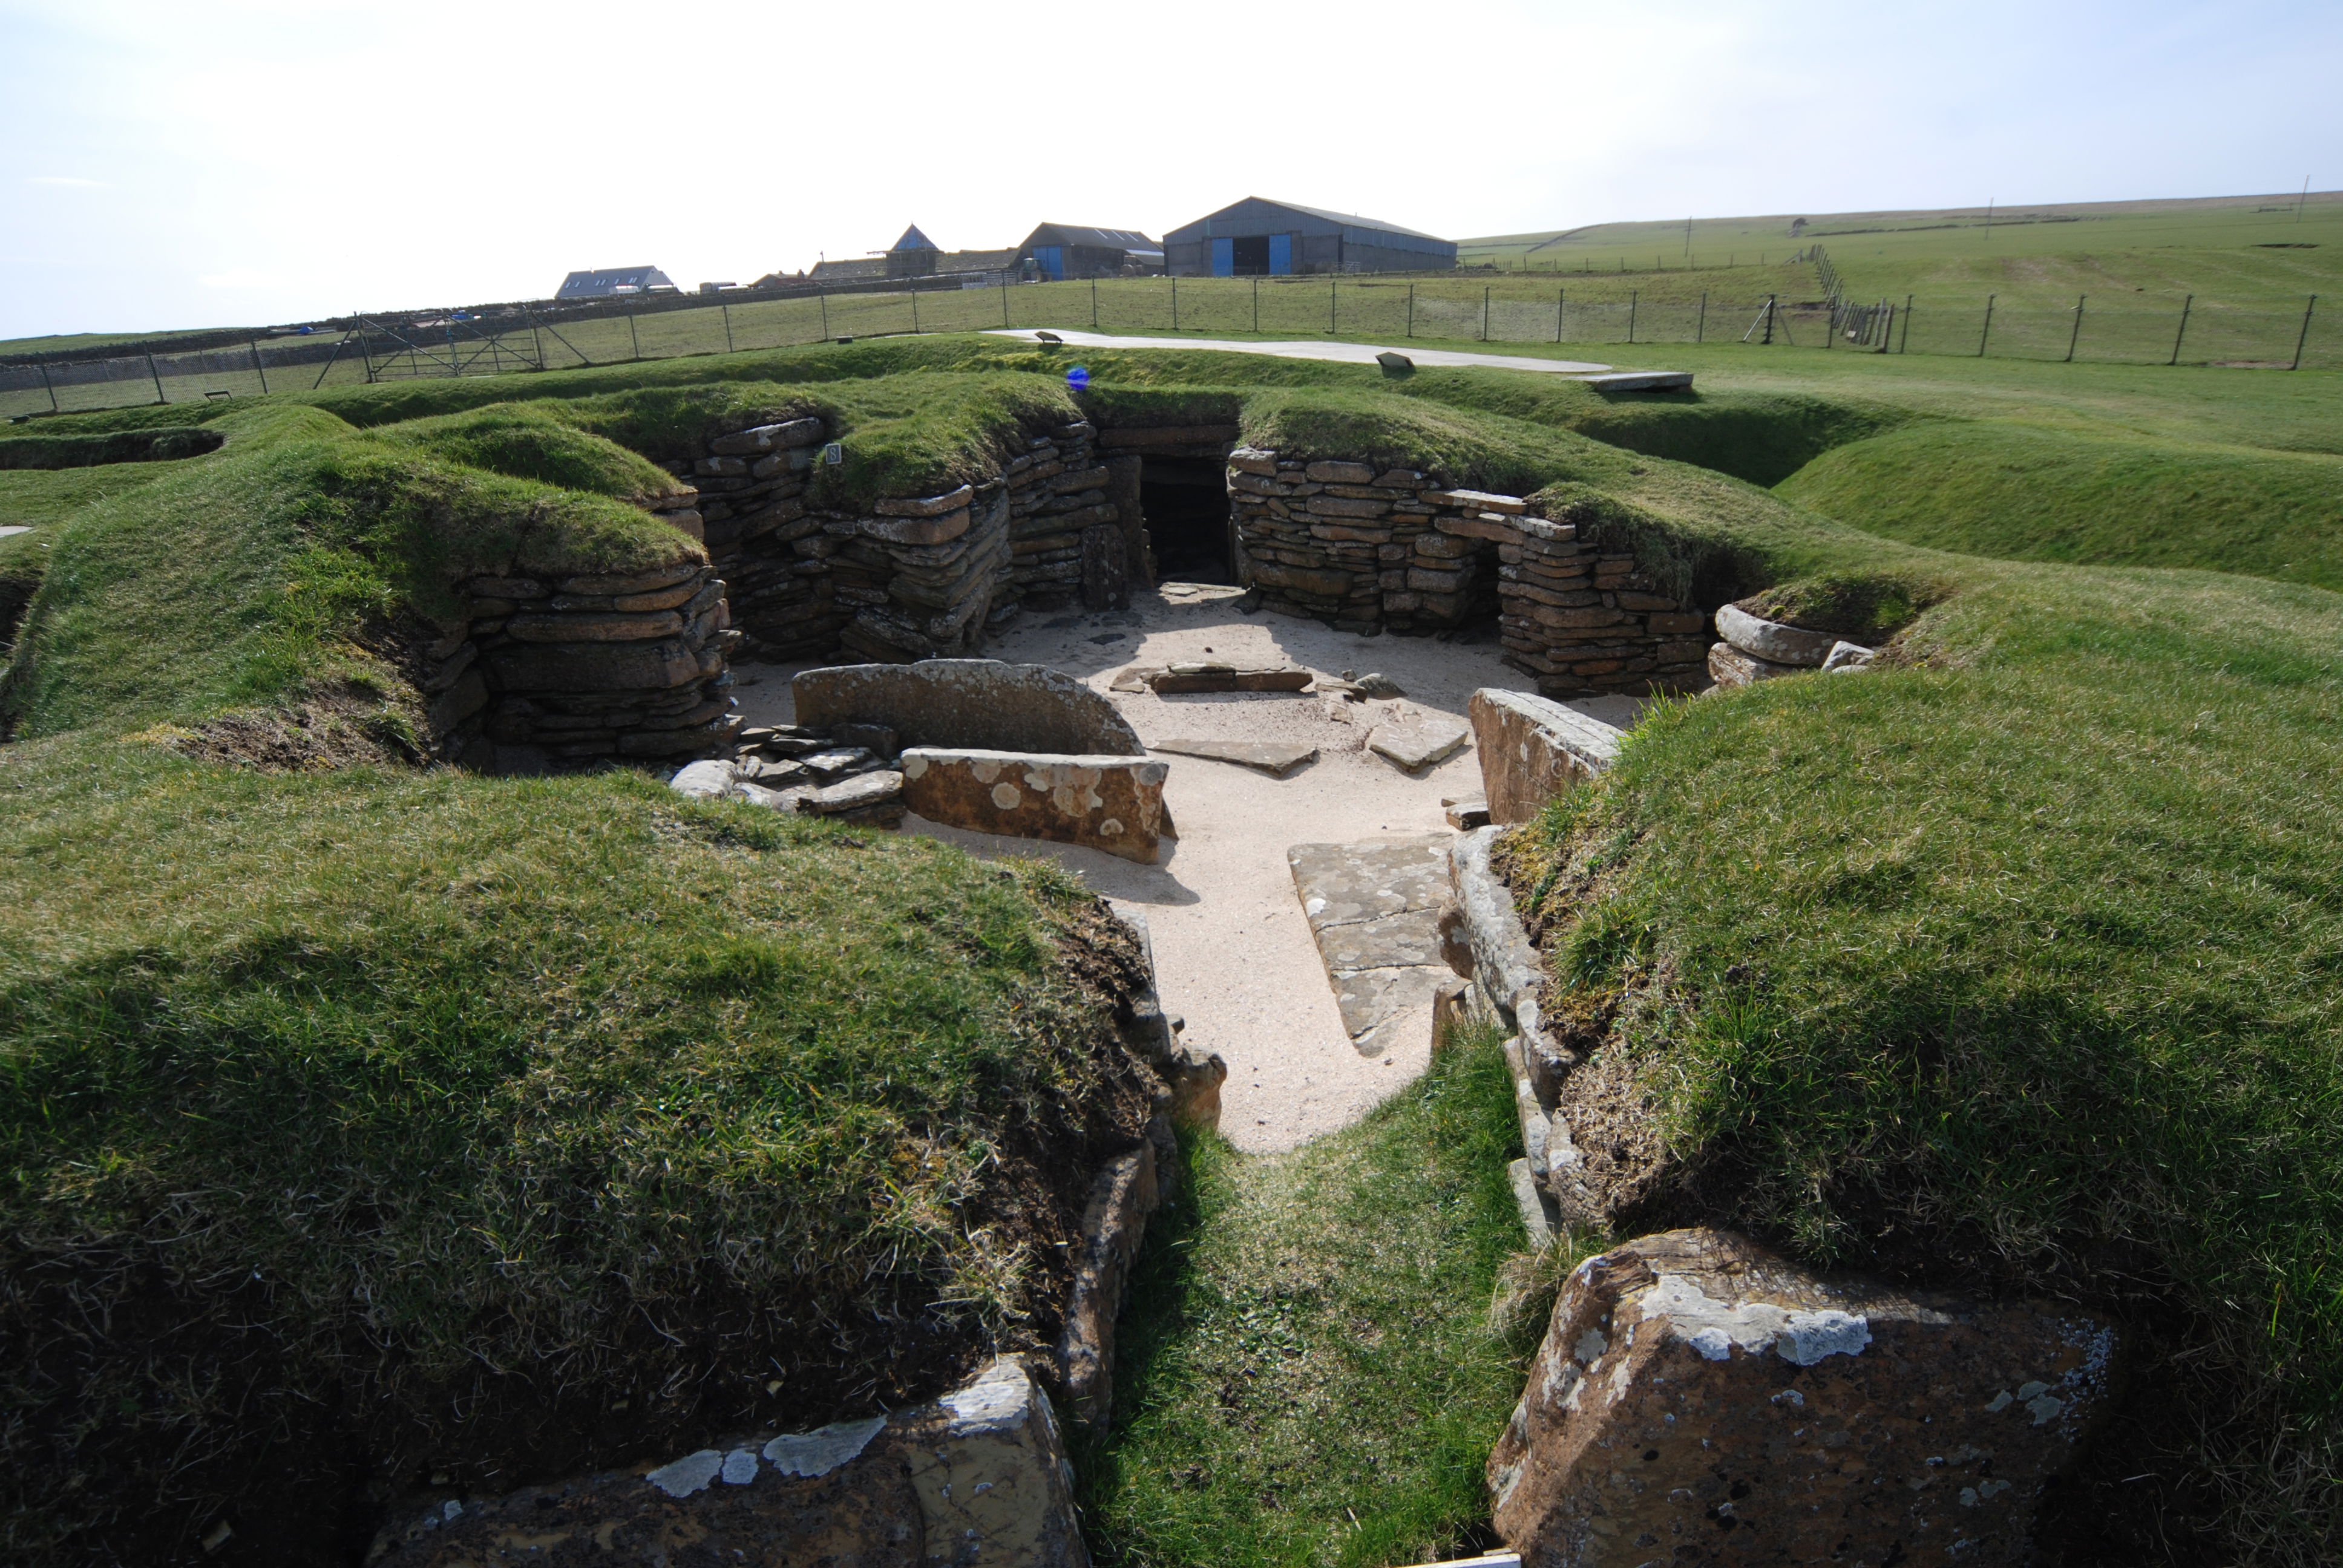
[248, 162]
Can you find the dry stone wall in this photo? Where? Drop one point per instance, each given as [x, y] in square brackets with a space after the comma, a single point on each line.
[909, 577]
[1393, 549]
[543, 673]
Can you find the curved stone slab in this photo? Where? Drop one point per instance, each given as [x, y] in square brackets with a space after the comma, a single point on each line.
[1771, 640]
[981, 703]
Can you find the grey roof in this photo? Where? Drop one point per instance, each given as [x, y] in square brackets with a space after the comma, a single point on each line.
[1077, 234]
[1350, 218]
[586, 284]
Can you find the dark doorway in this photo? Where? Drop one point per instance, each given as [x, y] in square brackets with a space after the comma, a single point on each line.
[1185, 501]
[1249, 258]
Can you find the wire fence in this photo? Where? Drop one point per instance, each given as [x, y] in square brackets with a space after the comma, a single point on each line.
[1449, 308]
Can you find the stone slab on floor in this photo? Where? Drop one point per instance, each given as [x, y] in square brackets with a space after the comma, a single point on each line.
[1413, 745]
[1373, 907]
[1277, 757]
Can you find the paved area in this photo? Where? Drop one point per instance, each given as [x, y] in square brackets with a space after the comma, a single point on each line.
[1374, 908]
[1339, 353]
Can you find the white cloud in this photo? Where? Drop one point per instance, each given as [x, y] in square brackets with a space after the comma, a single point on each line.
[242, 277]
[72, 180]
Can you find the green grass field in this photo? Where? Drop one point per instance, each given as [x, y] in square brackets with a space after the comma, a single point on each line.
[2221, 282]
[2013, 962]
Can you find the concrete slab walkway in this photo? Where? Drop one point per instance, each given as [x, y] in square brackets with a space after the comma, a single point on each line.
[1338, 353]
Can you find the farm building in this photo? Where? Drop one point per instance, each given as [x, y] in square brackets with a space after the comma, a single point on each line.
[917, 255]
[612, 280]
[1258, 239]
[1063, 250]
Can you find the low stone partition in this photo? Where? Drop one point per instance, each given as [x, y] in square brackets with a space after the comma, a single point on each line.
[553, 673]
[977, 1479]
[1532, 749]
[1393, 549]
[1099, 801]
[1699, 1399]
[966, 703]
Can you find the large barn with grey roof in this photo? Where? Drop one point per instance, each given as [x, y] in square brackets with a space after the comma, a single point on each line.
[1260, 238]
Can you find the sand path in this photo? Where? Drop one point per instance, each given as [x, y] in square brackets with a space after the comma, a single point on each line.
[1235, 954]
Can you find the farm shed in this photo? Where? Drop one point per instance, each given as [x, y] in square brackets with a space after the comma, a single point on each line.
[610, 280]
[1063, 250]
[917, 255]
[1260, 238]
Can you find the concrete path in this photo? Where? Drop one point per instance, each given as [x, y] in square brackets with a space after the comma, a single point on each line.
[1340, 353]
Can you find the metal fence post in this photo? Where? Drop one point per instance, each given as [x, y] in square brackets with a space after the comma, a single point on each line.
[823, 295]
[634, 339]
[1004, 297]
[1331, 283]
[1560, 297]
[1769, 318]
[2076, 336]
[1484, 314]
[1632, 296]
[1094, 302]
[1175, 302]
[2184, 306]
[726, 309]
[2309, 306]
[1905, 342]
[1411, 307]
[1987, 331]
[158, 379]
[259, 369]
[1256, 302]
[47, 385]
[1700, 332]
[915, 308]
[535, 338]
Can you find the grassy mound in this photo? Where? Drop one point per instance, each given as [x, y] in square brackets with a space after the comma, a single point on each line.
[363, 1125]
[1994, 489]
[368, 1124]
[93, 449]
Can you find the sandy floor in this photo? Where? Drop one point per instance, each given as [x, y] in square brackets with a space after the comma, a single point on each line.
[1235, 955]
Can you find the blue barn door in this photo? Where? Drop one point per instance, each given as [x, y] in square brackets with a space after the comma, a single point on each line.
[1225, 259]
[1052, 259]
[1280, 254]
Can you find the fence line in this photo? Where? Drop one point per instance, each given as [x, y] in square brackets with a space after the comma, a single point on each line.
[1451, 306]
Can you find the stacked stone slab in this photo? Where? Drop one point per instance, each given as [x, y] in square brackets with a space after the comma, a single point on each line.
[557, 672]
[909, 577]
[1057, 493]
[1394, 549]
[750, 511]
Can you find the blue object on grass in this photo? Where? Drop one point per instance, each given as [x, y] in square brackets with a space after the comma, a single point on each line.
[1079, 378]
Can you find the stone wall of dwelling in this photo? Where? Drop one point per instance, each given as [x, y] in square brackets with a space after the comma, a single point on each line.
[913, 577]
[1393, 550]
[553, 673]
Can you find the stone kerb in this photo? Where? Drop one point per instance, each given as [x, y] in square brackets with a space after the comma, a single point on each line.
[558, 672]
[1371, 549]
[1698, 1398]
